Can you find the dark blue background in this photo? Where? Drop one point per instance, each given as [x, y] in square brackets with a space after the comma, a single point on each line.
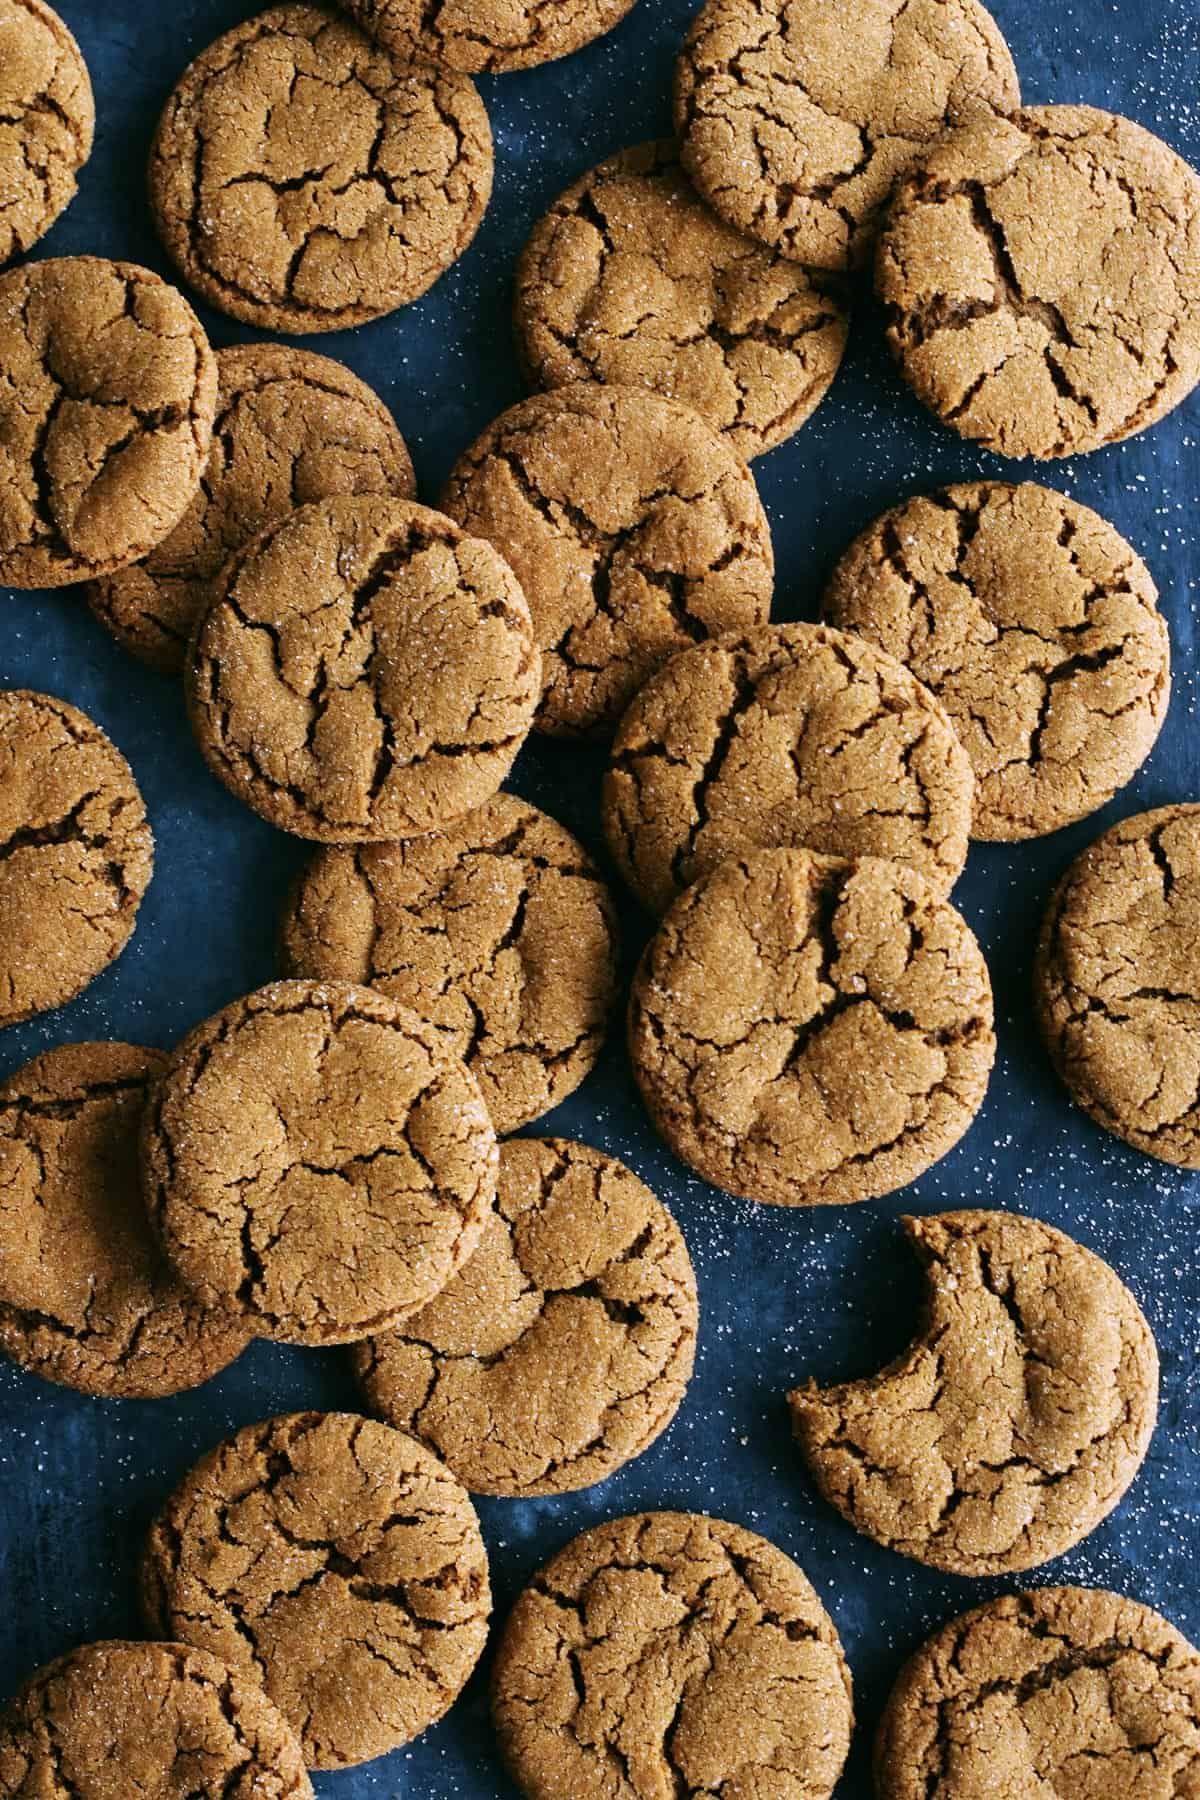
[784, 1294]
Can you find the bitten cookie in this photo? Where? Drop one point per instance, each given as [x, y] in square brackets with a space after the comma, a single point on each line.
[487, 36]
[1017, 1419]
[76, 853]
[47, 119]
[315, 1160]
[562, 1350]
[364, 670]
[789, 735]
[633, 530]
[1042, 280]
[631, 279]
[303, 181]
[1037, 627]
[290, 427]
[809, 1031]
[498, 931]
[690, 1655]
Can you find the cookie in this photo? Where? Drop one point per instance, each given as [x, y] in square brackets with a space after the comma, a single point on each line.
[633, 530]
[303, 181]
[497, 931]
[631, 279]
[562, 1350]
[47, 120]
[796, 116]
[291, 427]
[1037, 627]
[1068, 1690]
[1117, 987]
[1041, 276]
[107, 394]
[339, 1563]
[487, 36]
[363, 671]
[670, 1653]
[160, 1720]
[314, 1160]
[788, 735]
[76, 853]
[1016, 1420]
[809, 1031]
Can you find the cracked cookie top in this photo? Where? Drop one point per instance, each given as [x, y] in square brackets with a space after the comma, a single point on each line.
[315, 1160]
[76, 853]
[107, 394]
[796, 116]
[810, 1031]
[1062, 1691]
[47, 119]
[498, 931]
[563, 1348]
[487, 36]
[364, 670]
[631, 279]
[1037, 627]
[337, 1562]
[633, 530]
[669, 1653]
[304, 181]
[290, 427]
[1042, 280]
[789, 735]
[1016, 1420]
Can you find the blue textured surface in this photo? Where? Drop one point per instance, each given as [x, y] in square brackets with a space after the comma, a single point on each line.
[783, 1294]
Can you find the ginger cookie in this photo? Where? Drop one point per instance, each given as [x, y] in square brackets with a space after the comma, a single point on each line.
[796, 116]
[669, 1653]
[107, 394]
[1042, 280]
[1065, 1690]
[1037, 627]
[291, 427]
[486, 36]
[303, 181]
[336, 1561]
[631, 279]
[562, 1349]
[314, 1160]
[76, 853]
[364, 671]
[633, 530]
[498, 932]
[47, 120]
[1017, 1419]
[1117, 986]
[162, 1721]
[809, 1031]
[788, 735]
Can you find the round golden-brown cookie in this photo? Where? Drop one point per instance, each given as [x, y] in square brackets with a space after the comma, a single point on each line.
[1064, 1691]
[162, 1721]
[809, 1031]
[1037, 627]
[290, 427]
[633, 530]
[314, 1160]
[336, 1561]
[498, 931]
[562, 1349]
[1016, 1420]
[687, 1654]
[107, 394]
[364, 671]
[1042, 280]
[796, 116]
[487, 36]
[631, 279]
[76, 852]
[47, 120]
[788, 735]
[303, 181]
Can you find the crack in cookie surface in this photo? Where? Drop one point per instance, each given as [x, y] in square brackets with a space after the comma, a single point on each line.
[487, 36]
[47, 118]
